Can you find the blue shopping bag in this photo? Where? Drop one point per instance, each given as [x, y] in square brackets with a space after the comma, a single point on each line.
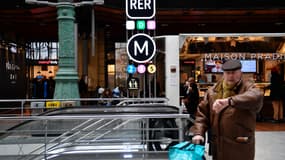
[186, 151]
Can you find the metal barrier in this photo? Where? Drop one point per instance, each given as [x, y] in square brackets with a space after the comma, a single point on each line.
[24, 107]
[48, 137]
[104, 134]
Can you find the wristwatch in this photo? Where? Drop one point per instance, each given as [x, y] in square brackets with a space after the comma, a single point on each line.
[230, 101]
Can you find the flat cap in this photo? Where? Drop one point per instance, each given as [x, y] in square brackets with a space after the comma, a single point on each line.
[231, 65]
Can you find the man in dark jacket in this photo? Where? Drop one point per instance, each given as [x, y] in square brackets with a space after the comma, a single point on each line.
[229, 109]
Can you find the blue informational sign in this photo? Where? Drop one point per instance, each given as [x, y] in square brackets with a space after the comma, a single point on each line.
[131, 69]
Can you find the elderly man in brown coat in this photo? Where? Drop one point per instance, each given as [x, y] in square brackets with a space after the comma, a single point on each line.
[229, 109]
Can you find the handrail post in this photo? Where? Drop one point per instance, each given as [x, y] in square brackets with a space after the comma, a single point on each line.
[22, 108]
[46, 128]
[180, 125]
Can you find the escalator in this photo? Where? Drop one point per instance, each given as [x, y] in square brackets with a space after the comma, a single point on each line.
[78, 135]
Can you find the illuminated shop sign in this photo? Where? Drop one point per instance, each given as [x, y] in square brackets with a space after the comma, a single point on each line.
[47, 62]
[243, 56]
[43, 62]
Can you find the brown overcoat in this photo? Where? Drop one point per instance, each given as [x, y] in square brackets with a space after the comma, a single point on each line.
[233, 129]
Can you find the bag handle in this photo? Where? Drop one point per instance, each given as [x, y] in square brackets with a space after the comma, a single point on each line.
[192, 146]
[186, 145]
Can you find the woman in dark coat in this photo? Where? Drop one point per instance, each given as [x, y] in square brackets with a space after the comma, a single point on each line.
[276, 94]
[191, 97]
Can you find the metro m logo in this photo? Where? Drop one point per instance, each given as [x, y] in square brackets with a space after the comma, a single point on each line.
[141, 48]
[144, 47]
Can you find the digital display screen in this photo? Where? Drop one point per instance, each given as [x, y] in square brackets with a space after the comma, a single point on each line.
[248, 66]
[215, 66]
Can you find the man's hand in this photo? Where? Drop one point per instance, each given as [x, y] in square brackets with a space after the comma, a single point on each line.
[220, 104]
[197, 139]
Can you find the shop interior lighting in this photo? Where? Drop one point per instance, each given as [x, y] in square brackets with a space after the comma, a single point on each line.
[77, 4]
[228, 39]
[281, 49]
[233, 43]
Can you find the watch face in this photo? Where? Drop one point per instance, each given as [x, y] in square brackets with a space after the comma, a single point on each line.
[230, 101]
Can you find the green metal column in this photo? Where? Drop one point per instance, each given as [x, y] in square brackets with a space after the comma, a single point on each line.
[66, 77]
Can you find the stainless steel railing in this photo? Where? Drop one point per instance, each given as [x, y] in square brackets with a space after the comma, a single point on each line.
[43, 137]
[22, 107]
[102, 135]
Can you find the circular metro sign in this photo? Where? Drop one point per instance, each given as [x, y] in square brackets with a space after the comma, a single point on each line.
[131, 69]
[141, 48]
[141, 68]
[151, 68]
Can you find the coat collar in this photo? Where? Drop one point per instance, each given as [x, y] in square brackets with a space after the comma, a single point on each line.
[218, 86]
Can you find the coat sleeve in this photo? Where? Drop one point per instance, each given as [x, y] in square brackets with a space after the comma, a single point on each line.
[251, 99]
[201, 123]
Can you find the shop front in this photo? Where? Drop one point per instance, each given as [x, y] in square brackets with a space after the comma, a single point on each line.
[42, 65]
[259, 53]
[12, 71]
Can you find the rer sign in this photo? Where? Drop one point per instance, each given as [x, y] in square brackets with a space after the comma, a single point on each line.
[141, 48]
[140, 9]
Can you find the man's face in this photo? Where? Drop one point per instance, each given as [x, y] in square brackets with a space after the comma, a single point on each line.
[191, 80]
[232, 77]
[218, 65]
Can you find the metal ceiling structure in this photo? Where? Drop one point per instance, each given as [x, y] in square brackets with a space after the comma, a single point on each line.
[36, 22]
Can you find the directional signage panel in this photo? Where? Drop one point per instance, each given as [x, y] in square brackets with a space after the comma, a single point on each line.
[141, 48]
[140, 9]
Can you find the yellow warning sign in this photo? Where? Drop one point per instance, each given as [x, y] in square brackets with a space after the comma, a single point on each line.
[53, 104]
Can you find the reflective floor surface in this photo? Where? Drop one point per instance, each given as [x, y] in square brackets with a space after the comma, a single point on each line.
[270, 141]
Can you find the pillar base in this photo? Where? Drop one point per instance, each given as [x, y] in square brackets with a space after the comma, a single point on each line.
[66, 85]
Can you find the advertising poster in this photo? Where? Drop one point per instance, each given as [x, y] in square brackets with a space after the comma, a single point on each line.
[121, 64]
[12, 71]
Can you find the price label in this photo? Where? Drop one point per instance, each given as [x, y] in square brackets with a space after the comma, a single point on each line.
[53, 104]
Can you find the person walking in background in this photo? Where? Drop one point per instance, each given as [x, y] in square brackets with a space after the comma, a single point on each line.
[51, 87]
[83, 87]
[184, 89]
[191, 97]
[276, 83]
[107, 93]
[116, 93]
[229, 110]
